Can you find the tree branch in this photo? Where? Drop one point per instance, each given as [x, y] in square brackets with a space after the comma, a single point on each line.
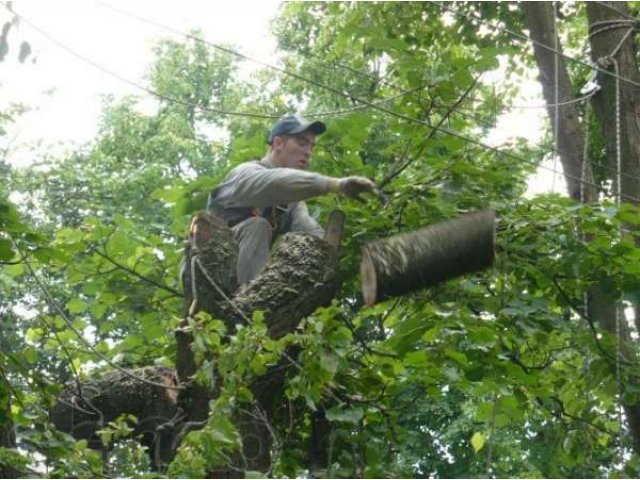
[136, 274]
[435, 129]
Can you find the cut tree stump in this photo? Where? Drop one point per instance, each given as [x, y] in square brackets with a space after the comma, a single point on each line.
[301, 276]
[408, 262]
[334, 228]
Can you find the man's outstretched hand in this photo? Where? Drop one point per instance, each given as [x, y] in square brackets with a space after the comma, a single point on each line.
[353, 186]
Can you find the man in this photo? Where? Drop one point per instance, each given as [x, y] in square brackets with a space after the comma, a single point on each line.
[262, 199]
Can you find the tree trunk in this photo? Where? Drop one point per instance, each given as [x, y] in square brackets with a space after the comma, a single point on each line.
[7, 430]
[617, 107]
[556, 88]
[210, 252]
[102, 400]
[603, 44]
[301, 276]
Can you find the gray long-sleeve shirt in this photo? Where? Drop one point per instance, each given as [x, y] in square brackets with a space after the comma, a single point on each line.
[258, 185]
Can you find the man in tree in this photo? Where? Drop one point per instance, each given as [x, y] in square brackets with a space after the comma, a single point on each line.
[262, 199]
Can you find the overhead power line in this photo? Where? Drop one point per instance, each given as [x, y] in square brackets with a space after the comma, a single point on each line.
[130, 82]
[336, 91]
[460, 111]
[197, 105]
[378, 107]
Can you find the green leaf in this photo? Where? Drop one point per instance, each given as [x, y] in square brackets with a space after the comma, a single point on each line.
[329, 362]
[76, 305]
[30, 354]
[458, 357]
[254, 474]
[350, 415]
[6, 252]
[168, 194]
[431, 334]
[34, 334]
[477, 441]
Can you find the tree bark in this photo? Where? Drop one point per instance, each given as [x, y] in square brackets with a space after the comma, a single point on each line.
[7, 430]
[556, 89]
[603, 44]
[301, 276]
[102, 400]
[210, 252]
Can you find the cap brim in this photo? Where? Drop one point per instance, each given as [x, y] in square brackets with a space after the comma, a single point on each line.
[316, 128]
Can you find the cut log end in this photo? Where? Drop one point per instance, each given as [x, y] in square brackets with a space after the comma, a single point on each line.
[334, 228]
[368, 276]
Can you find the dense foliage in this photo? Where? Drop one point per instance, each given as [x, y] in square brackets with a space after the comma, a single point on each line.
[500, 373]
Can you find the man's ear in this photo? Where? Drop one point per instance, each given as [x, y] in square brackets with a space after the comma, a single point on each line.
[278, 142]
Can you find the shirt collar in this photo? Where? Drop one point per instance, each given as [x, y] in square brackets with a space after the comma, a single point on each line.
[266, 160]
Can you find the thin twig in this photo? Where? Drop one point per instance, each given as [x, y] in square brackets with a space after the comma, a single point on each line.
[136, 274]
[435, 129]
[93, 349]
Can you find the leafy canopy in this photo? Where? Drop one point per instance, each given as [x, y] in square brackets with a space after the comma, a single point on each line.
[494, 374]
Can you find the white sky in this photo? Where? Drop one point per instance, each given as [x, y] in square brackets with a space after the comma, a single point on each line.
[68, 113]
[65, 93]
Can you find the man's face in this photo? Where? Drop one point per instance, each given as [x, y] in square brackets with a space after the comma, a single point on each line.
[293, 151]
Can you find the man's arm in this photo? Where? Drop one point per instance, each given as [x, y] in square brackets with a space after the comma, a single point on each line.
[253, 185]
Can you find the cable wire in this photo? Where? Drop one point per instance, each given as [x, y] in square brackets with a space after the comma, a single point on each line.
[549, 149]
[459, 111]
[370, 104]
[79, 335]
[542, 45]
[375, 105]
[200, 106]
[134, 84]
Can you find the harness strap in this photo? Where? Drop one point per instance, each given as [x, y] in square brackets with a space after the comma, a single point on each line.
[273, 215]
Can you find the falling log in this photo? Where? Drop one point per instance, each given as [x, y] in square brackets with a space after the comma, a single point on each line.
[408, 262]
